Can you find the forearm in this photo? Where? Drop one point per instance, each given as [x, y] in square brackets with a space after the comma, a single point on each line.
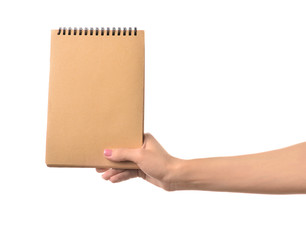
[277, 172]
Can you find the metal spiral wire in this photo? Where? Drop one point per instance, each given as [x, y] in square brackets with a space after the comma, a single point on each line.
[98, 31]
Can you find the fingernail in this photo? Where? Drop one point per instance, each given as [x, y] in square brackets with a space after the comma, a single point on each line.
[107, 152]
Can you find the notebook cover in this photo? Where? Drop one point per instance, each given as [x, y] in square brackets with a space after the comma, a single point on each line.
[96, 98]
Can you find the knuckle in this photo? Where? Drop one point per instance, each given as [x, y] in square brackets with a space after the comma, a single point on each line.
[148, 134]
[119, 153]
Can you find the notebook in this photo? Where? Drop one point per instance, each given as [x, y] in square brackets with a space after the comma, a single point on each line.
[96, 96]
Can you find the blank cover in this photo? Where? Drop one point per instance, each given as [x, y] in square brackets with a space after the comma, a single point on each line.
[96, 96]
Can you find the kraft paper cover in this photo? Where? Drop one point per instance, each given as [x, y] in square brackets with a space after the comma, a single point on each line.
[96, 98]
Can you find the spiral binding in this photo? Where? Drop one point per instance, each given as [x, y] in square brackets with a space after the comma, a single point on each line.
[98, 31]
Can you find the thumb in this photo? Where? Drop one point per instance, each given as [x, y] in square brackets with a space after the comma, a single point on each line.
[123, 154]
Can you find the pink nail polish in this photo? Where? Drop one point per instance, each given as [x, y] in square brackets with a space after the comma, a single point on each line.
[107, 152]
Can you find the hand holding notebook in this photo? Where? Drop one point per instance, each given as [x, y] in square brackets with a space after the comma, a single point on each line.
[96, 96]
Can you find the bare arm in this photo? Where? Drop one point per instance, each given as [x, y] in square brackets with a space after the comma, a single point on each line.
[276, 172]
[281, 171]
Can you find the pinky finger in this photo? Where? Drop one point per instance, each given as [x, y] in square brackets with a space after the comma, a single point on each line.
[123, 176]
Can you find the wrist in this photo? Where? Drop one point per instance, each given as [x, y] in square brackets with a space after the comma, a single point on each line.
[190, 175]
[178, 175]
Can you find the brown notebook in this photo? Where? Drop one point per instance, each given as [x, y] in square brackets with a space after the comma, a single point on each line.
[96, 96]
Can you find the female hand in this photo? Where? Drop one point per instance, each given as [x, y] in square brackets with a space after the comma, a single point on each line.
[280, 171]
[156, 165]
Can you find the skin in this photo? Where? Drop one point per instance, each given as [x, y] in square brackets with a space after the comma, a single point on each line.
[281, 171]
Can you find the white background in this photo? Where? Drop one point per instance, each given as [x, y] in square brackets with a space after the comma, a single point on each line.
[222, 78]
